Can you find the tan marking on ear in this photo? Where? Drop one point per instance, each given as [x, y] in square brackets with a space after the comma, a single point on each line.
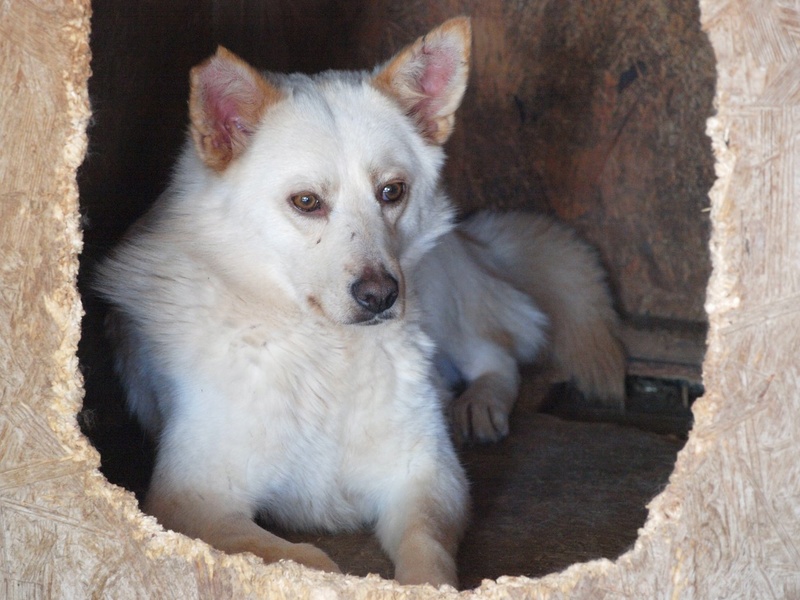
[218, 139]
[399, 78]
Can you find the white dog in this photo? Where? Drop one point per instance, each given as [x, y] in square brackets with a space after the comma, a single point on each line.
[270, 312]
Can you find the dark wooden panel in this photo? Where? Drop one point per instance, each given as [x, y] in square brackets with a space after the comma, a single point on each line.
[596, 112]
[141, 56]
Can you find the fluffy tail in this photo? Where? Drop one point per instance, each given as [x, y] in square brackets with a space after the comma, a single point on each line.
[563, 275]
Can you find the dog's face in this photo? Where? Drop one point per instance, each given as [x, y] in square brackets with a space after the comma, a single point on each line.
[331, 182]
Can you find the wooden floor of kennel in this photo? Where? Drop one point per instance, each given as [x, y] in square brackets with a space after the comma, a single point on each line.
[727, 525]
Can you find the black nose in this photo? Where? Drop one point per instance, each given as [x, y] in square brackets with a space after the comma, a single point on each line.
[375, 291]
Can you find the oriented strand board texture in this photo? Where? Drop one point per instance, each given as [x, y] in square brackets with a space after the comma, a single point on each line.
[728, 524]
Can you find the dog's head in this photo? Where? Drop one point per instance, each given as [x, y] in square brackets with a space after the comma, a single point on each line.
[328, 186]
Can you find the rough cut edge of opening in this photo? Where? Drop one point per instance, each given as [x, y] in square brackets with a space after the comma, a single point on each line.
[194, 567]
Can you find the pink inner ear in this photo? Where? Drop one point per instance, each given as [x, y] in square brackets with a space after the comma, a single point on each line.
[226, 91]
[440, 67]
[227, 119]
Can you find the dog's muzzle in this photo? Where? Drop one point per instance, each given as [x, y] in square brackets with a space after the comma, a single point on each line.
[375, 292]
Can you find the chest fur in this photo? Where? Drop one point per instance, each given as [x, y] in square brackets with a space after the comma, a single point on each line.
[312, 425]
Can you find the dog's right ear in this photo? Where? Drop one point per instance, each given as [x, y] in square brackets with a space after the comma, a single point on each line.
[226, 102]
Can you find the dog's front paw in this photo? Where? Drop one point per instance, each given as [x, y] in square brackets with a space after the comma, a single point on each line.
[479, 418]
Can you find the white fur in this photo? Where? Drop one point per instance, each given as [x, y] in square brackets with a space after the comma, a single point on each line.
[243, 349]
[514, 287]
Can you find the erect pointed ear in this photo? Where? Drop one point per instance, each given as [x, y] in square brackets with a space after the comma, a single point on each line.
[226, 102]
[428, 78]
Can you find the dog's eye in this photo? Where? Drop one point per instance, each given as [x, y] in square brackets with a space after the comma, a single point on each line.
[393, 192]
[306, 202]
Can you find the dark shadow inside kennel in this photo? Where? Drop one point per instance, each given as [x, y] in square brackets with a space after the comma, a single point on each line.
[592, 112]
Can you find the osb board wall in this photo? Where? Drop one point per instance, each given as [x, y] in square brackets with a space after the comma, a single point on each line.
[593, 111]
[725, 527]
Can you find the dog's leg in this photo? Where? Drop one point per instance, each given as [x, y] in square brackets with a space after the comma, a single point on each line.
[226, 524]
[426, 555]
[422, 525]
[480, 413]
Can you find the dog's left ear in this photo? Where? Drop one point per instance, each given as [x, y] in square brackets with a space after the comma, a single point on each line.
[428, 78]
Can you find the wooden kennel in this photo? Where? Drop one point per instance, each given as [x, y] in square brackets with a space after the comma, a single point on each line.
[726, 525]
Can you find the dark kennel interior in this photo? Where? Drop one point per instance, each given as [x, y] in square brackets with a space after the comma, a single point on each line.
[593, 112]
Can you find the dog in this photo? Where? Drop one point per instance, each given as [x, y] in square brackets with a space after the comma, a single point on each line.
[278, 316]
